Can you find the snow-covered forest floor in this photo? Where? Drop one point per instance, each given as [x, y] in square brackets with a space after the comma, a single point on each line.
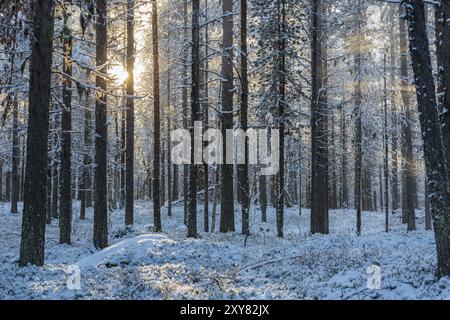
[144, 265]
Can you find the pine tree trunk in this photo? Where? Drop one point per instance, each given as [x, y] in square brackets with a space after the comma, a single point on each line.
[85, 185]
[184, 98]
[55, 167]
[344, 202]
[35, 195]
[65, 205]
[129, 151]
[386, 151]
[156, 123]
[15, 139]
[427, 207]
[263, 197]
[22, 169]
[408, 185]
[15, 157]
[175, 190]
[163, 174]
[227, 193]
[244, 184]
[215, 200]
[206, 121]
[49, 191]
[8, 186]
[281, 118]
[443, 60]
[434, 152]
[196, 116]
[100, 237]
[393, 110]
[169, 146]
[358, 128]
[319, 124]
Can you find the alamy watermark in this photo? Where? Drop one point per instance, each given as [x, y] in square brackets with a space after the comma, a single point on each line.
[373, 277]
[263, 147]
[73, 281]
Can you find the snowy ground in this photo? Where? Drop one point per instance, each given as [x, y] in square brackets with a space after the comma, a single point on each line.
[143, 265]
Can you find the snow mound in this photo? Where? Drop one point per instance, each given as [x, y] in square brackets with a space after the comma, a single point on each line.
[129, 251]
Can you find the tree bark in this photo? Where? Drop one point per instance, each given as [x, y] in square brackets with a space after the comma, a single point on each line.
[35, 195]
[85, 185]
[129, 153]
[281, 117]
[15, 141]
[65, 206]
[408, 212]
[206, 121]
[443, 60]
[169, 146]
[434, 151]
[244, 184]
[358, 128]
[101, 131]
[227, 193]
[393, 110]
[195, 116]
[344, 187]
[319, 127]
[386, 151]
[156, 123]
[184, 98]
[15, 157]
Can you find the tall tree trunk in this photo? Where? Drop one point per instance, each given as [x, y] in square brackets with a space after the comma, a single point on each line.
[281, 117]
[358, 128]
[129, 153]
[35, 197]
[15, 137]
[85, 185]
[15, 157]
[8, 186]
[162, 180]
[227, 193]
[215, 200]
[22, 169]
[386, 150]
[393, 110]
[87, 161]
[263, 197]
[65, 206]
[156, 123]
[55, 165]
[195, 117]
[319, 124]
[49, 191]
[101, 131]
[175, 190]
[184, 98]
[344, 186]
[427, 208]
[434, 151]
[443, 60]
[244, 184]
[407, 149]
[333, 165]
[169, 146]
[206, 121]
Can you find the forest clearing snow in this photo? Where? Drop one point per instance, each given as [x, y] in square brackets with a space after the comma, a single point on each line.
[140, 264]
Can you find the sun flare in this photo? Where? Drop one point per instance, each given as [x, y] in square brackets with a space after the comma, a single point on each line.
[118, 74]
